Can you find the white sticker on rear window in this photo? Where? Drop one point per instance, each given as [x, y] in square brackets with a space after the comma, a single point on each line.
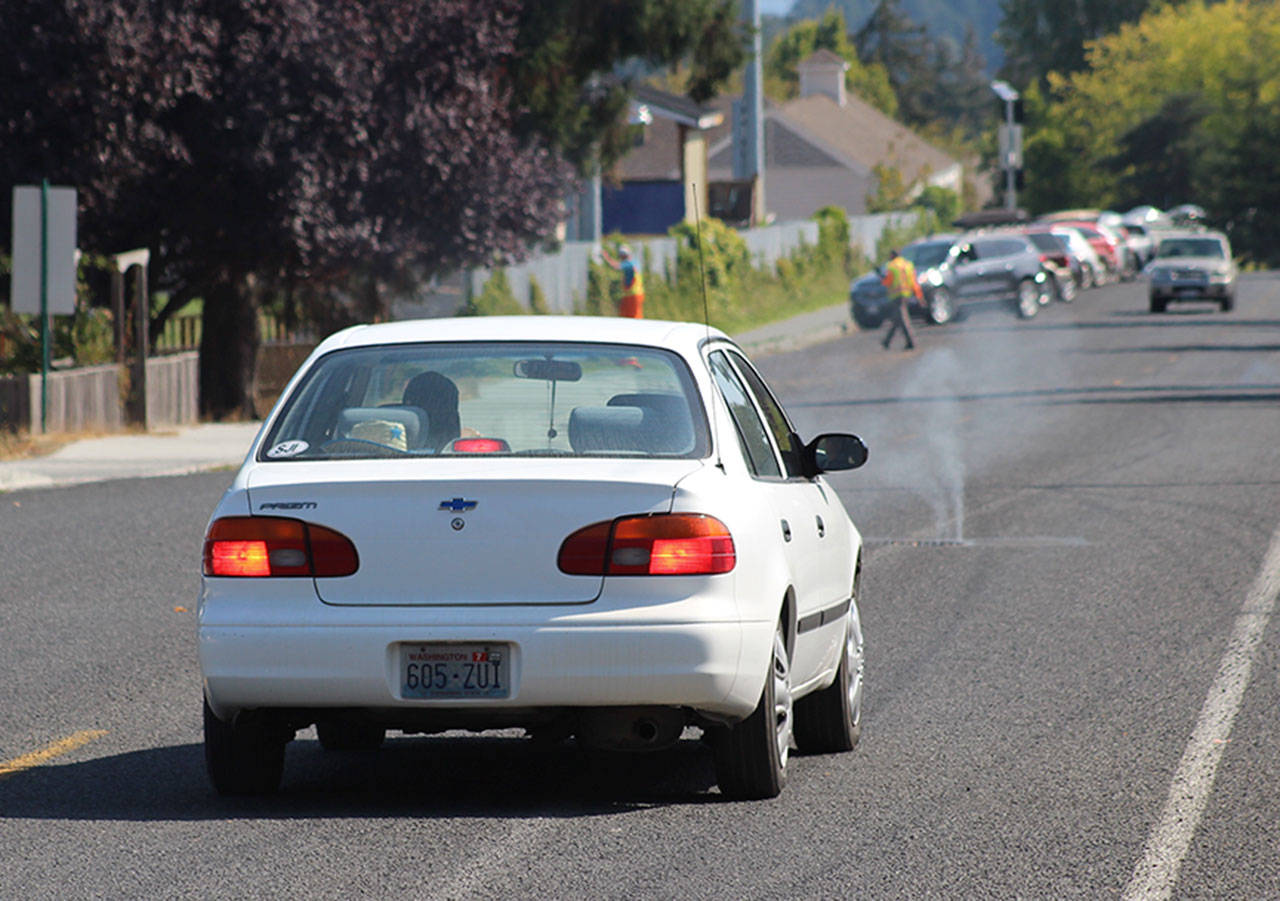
[288, 449]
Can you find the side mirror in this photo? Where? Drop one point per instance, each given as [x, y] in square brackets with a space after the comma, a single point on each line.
[833, 452]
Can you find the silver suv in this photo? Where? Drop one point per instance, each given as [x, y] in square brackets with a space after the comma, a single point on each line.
[1192, 266]
[986, 268]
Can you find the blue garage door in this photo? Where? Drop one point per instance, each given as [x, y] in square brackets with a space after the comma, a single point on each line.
[642, 207]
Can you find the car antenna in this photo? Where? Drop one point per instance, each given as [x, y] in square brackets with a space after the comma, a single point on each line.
[706, 316]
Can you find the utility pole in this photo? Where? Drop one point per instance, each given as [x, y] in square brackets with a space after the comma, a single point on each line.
[748, 163]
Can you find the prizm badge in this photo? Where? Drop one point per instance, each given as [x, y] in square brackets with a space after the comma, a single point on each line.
[288, 505]
[457, 505]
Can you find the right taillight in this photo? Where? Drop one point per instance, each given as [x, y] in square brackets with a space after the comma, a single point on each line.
[673, 544]
[258, 546]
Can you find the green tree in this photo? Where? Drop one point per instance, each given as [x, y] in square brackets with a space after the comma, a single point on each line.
[891, 191]
[1193, 120]
[894, 41]
[1043, 36]
[870, 82]
[1158, 157]
[285, 147]
[563, 74]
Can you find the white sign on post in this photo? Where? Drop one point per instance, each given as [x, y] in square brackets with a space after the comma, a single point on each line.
[60, 250]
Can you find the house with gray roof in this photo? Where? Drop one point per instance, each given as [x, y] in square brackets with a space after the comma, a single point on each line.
[821, 148]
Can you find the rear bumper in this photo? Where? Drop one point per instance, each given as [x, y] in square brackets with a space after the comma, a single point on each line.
[713, 667]
[1211, 291]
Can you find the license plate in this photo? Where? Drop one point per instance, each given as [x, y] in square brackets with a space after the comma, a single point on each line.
[438, 670]
[1191, 290]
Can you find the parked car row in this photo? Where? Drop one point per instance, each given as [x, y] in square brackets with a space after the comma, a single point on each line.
[1026, 264]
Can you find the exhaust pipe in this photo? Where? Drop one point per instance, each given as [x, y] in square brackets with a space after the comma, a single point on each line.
[631, 728]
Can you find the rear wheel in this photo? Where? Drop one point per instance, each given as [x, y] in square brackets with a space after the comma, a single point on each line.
[1157, 305]
[1066, 288]
[1028, 298]
[751, 756]
[830, 720]
[245, 758]
[942, 307]
[1228, 303]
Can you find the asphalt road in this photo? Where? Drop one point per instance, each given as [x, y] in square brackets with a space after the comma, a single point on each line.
[1073, 664]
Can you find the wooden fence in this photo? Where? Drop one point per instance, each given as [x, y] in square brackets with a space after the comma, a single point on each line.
[93, 398]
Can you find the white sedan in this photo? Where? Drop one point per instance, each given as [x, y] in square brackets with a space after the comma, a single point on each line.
[599, 527]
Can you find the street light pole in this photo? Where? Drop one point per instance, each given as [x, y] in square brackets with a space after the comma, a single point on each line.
[1010, 144]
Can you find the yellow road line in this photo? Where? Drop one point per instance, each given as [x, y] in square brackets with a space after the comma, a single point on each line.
[58, 748]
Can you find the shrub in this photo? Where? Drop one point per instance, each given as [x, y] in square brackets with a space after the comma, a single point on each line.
[944, 202]
[85, 337]
[494, 299]
[537, 298]
[601, 283]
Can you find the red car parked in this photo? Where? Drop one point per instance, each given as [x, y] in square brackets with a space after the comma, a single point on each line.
[1107, 248]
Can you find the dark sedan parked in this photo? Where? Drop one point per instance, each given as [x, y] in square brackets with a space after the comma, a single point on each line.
[868, 299]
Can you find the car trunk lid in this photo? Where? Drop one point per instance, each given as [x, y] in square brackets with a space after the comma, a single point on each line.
[462, 532]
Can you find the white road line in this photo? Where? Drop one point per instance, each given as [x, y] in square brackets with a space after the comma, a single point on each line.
[1156, 873]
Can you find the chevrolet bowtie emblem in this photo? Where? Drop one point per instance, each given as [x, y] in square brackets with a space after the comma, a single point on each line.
[457, 505]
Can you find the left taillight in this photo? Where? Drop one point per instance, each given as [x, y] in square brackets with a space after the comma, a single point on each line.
[257, 546]
[674, 544]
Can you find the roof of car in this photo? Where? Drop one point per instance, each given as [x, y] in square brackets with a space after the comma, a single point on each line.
[1192, 233]
[684, 336]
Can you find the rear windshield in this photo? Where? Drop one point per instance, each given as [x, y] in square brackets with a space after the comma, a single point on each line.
[1047, 242]
[1190, 247]
[530, 399]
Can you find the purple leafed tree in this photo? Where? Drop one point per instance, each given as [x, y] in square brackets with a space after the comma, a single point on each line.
[260, 146]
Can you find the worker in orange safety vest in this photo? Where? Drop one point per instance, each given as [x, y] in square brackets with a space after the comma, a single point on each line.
[632, 303]
[900, 281]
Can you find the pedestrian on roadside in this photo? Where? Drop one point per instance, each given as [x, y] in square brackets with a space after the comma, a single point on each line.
[900, 281]
[632, 304]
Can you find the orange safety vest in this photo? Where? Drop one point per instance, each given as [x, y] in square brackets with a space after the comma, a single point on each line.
[900, 279]
[632, 305]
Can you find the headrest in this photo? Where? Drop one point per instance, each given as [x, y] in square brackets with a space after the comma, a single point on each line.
[667, 423]
[397, 427]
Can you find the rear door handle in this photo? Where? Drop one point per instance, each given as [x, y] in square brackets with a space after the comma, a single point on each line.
[786, 530]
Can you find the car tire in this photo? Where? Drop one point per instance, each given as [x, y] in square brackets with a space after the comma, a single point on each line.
[830, 720]
[1066, 289]
[751, 756]
[1228, 303]
[1088, 278]
[867, 320]
[1028, 298]
[1157, 305]
[941, 306]
[243, 759]
[350, 735]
